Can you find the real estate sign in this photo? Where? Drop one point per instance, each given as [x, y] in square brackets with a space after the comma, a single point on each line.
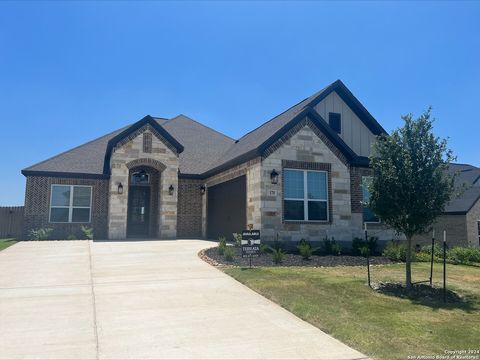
[250, 243]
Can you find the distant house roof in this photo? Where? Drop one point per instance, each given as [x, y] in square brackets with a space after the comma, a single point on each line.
[468, 177]
[204, 151]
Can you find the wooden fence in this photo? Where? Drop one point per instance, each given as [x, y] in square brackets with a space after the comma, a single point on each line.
[11, 222]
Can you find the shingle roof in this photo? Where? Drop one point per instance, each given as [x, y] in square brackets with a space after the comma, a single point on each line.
[206, 151]
[468, 176]
[202, 146]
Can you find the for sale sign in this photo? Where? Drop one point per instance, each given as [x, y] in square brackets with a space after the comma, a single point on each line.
[250, 243]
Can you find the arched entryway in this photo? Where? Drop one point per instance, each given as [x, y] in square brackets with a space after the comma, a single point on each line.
[143, 201]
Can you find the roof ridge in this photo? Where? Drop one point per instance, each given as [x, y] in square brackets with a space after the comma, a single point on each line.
[76, 147]
[199, 123]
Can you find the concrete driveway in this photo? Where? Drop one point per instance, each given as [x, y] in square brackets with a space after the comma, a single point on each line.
[141, 300]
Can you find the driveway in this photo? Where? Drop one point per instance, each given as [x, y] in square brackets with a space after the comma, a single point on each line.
[141, 300]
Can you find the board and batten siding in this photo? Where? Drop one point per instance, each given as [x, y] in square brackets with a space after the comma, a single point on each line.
[354, 132]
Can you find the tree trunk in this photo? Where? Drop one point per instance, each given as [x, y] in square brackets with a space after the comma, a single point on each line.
[408, 263]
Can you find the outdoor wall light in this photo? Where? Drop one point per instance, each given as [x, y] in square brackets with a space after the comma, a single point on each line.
[274, 177]
[170, 190]
[203, 188]
[120, 189]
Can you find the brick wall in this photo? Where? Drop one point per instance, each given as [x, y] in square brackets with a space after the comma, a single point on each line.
[189, 211]
[472, 218]
[37, 202]
[456, 228]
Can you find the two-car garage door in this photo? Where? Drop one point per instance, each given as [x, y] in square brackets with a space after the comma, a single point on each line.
[226, 208]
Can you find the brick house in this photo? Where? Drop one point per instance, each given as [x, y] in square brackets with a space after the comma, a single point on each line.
[461, 218]
[298, 175]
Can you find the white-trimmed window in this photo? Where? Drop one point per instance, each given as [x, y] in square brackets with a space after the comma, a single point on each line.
[305, 195]
[70, 204]
[368, 215]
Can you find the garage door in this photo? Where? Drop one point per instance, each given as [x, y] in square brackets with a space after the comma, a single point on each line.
[227, 208]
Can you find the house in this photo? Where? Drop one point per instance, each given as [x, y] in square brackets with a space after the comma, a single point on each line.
[298, 175]
[461, 217]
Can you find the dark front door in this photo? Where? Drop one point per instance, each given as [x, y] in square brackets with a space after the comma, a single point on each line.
[226, 208]
[138, 217]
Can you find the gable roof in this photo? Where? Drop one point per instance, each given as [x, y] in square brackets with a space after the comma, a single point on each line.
[204, 151]
[254, 142]
[469, 177]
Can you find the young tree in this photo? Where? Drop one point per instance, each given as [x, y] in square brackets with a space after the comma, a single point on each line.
[410, 185]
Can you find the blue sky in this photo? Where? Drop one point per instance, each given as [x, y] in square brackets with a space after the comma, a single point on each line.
[73, 71]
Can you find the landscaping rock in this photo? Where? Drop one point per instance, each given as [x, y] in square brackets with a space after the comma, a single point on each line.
[212, 257]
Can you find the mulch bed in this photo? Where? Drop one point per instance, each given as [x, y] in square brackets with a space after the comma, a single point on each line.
[417, 292]
[212, 257]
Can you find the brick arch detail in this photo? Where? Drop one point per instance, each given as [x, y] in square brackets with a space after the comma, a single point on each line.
[146, 162]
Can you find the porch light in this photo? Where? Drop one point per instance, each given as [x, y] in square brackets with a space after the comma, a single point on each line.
[274, 177]
[203, 188]
[120, 189]
[170, 190]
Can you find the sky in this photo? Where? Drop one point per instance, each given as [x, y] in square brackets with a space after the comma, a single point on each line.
[74, 71]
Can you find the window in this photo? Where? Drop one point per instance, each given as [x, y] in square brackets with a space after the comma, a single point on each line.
[140, 177]
[305, 195]
[368, 215]
[335, 121]
[70, 204]
[147, 142]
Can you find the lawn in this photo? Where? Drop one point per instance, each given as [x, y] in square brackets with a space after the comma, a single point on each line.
[4, 243]
[338, 301]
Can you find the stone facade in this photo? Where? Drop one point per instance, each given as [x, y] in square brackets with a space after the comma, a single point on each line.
[163, 157]
[189, 212]
[456, 231]
[472, 221]
[304, 149]
[37, 207]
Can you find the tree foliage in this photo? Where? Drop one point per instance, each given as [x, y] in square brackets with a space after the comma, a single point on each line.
[410, 185]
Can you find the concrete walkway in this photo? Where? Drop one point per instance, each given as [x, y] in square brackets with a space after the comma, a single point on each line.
[141, 300]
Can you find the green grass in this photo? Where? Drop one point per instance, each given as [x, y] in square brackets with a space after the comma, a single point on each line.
[4, 243]
[338, 301]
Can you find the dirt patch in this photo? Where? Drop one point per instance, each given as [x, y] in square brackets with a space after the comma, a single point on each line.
[212, 257]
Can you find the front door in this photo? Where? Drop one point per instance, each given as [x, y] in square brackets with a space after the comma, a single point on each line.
[138, 217]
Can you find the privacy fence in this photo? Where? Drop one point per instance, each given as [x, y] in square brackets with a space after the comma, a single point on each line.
[11, 222]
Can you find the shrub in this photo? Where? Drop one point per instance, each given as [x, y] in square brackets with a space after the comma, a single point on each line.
[396, 251]
[264, 248]
[305, 250]
[238, 239]
[464, 255]
[437, 250]
[222, 244]
[359, 243]
[278, 255]
[40, 234]
[87, 232]
[365, 251]
[330, 247]
[71, 237]
[229, 253]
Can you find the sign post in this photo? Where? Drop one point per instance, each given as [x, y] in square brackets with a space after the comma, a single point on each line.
[250, 244]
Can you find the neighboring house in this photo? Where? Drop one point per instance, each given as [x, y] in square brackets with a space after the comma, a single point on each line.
[298, 175]
[461, 218]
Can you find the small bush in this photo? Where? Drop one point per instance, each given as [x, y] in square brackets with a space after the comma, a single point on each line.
[71, 237]
[277, 255]
[331, 247]
[359, 243]
[437, 250]
[87, 232]
[229, 253]
[397, 251]
[238, 239]
[305, 250]
[464, 255]
[365, 251]
[264, 248]
[40, 234]
[424, 257]
[222, 244]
